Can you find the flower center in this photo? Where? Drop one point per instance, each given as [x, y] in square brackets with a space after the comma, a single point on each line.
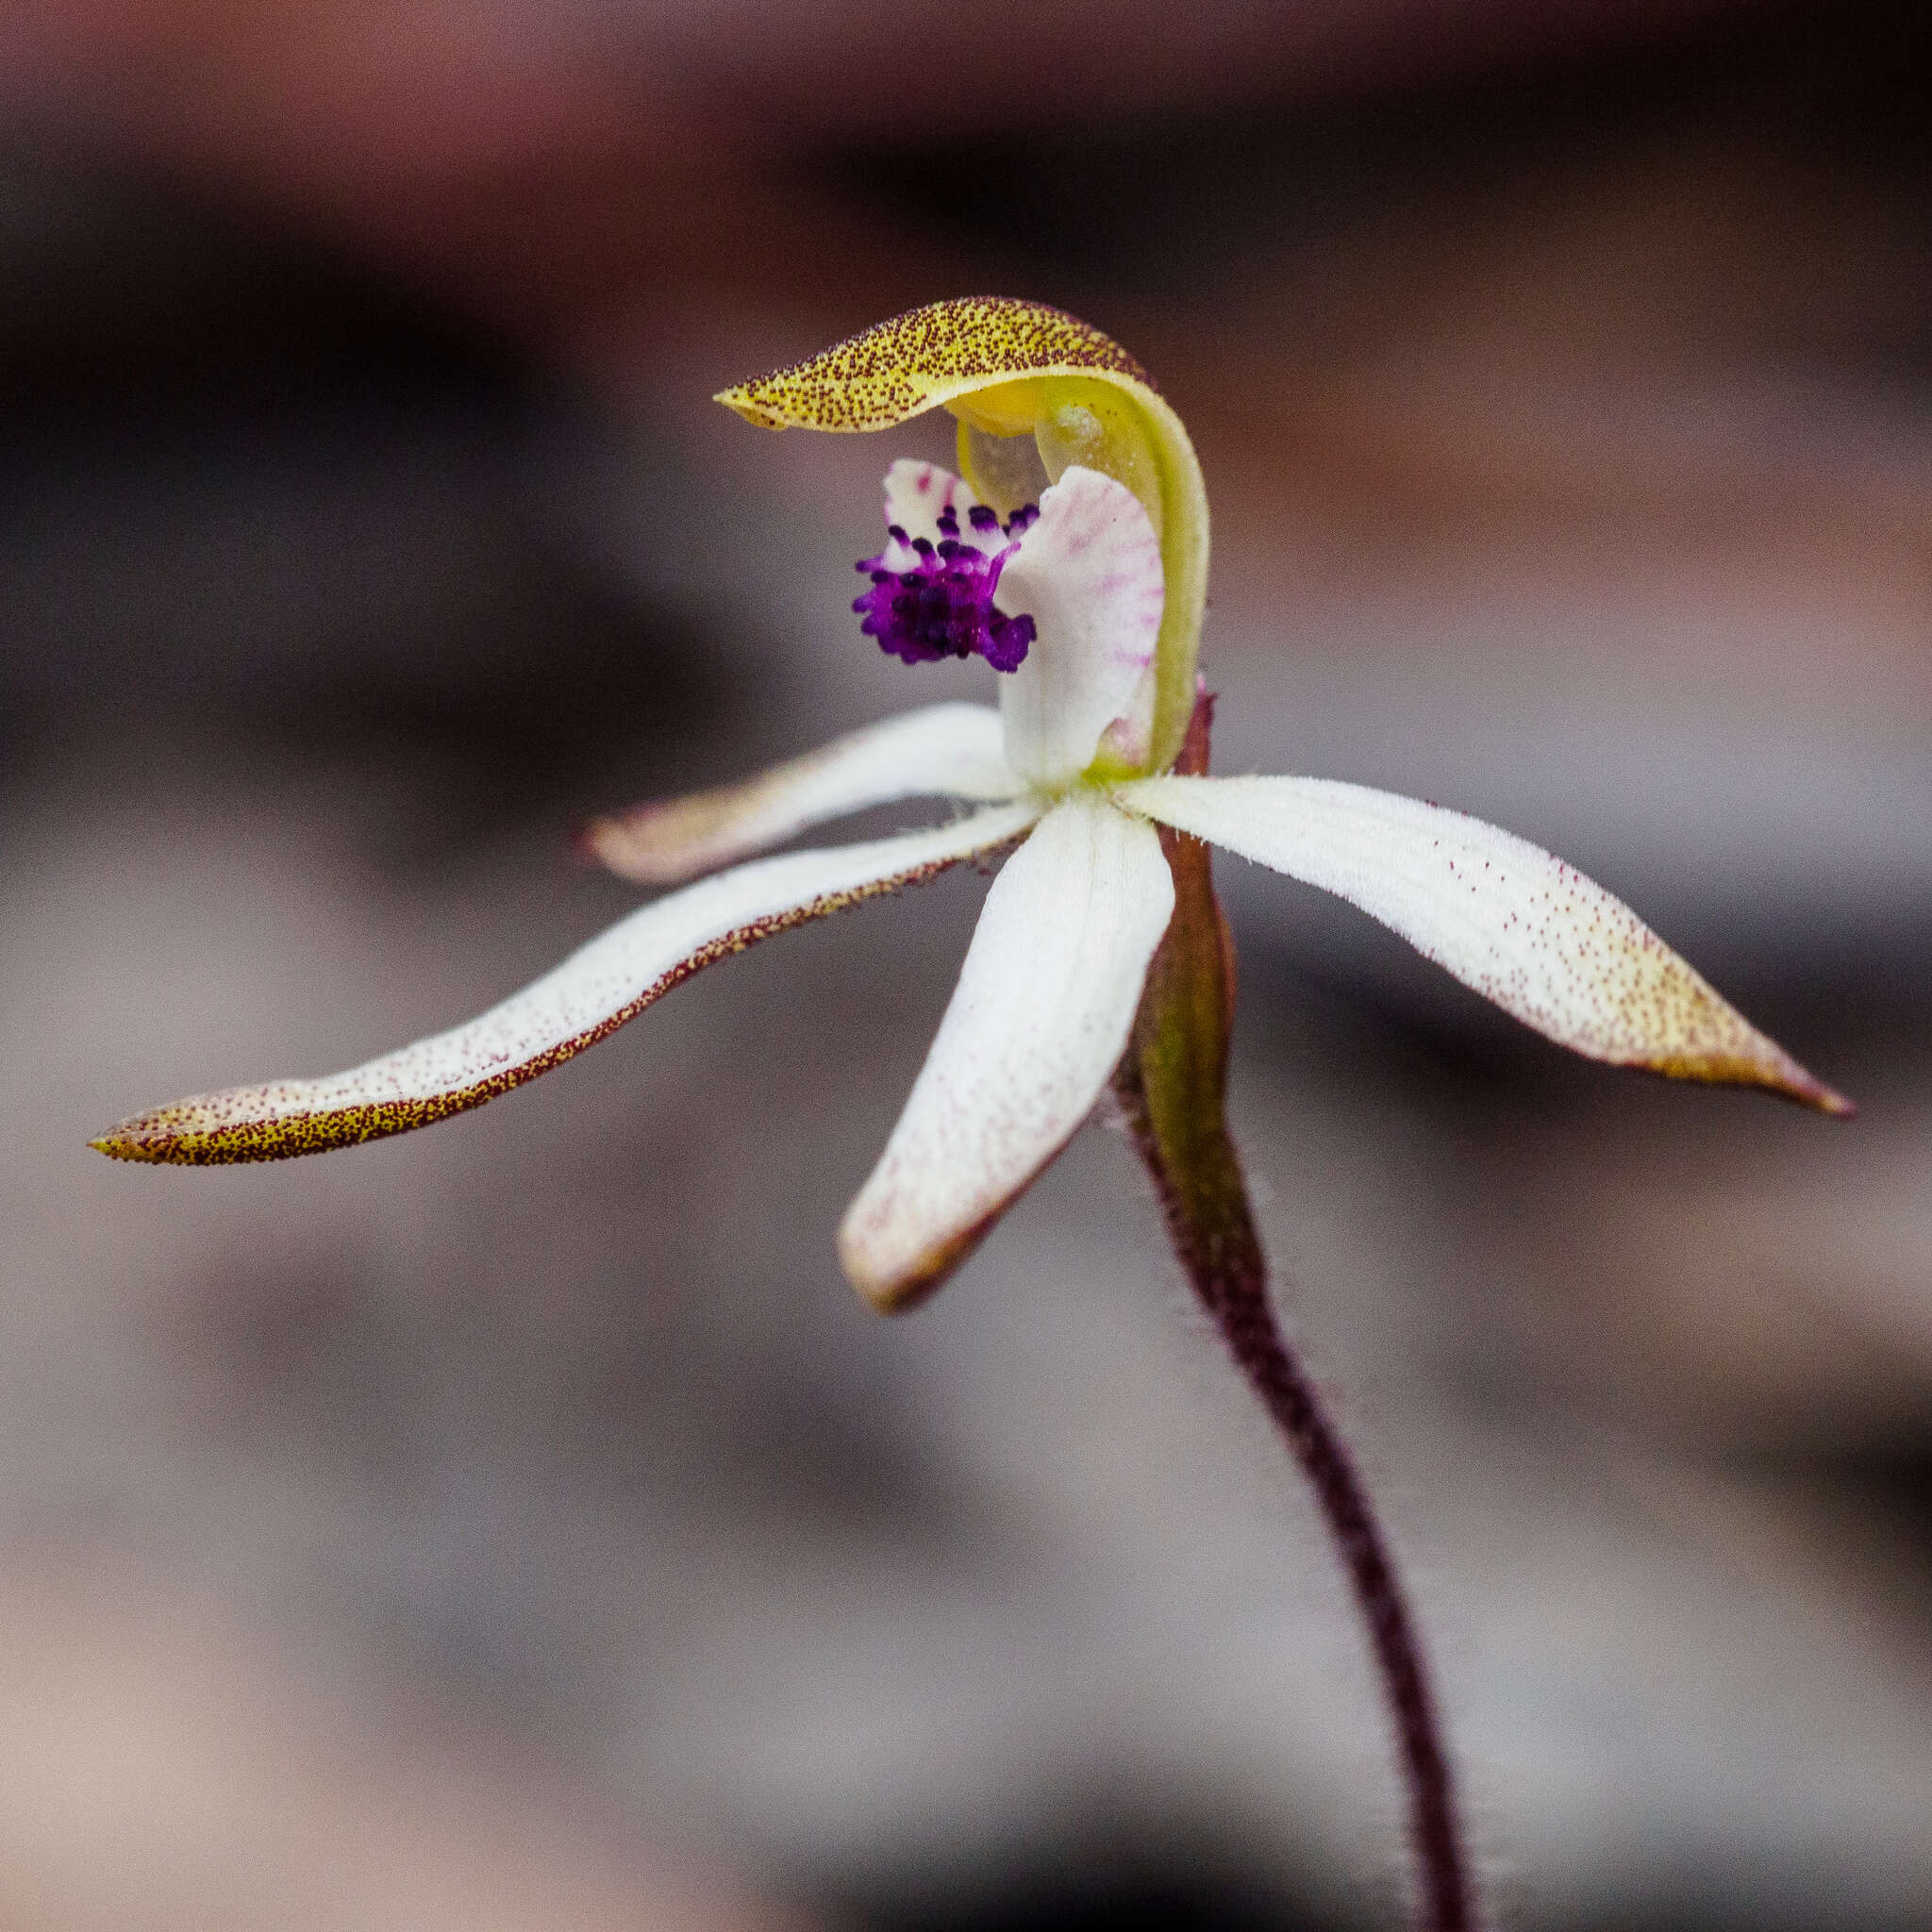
[930, 600]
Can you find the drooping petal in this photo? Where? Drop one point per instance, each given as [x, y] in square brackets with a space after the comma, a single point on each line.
[1089, 572]
[1010, 368]
[941, 750]
[1521, 928]
[1041, 1016]
[593, 992]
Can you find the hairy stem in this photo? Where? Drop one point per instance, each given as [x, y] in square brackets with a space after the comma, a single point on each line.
[1172, 1084]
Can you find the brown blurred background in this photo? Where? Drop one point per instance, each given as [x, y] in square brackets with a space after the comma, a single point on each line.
[523, 1525]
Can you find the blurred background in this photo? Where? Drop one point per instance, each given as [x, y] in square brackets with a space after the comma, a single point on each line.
[522, 1524]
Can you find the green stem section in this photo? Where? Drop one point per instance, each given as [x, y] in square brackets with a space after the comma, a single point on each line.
[1172, 1084]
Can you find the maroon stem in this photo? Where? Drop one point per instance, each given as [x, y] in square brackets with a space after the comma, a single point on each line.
[1240, 1305]
[1230, 1276]
[1172, 1084]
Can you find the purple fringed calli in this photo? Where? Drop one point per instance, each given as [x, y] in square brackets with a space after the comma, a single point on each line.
[930, 600]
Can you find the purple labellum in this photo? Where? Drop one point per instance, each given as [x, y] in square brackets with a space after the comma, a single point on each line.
[942, 606]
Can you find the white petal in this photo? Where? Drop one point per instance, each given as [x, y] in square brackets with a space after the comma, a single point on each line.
[1519, 925]
[1089, 575]
[1038, 1021]
[943, 751]
[593, 992]
[915, 495]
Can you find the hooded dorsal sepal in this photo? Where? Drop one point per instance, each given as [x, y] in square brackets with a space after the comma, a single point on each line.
[1010, 368]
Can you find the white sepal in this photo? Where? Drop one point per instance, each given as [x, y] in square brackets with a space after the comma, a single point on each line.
[1038, 1021]
[594, 991]
[943, 751]
[1521, 927]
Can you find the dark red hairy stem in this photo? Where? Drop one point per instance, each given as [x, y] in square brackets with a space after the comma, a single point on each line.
[1172, 1084]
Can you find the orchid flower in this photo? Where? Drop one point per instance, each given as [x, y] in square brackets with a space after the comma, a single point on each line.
[1071, 554]
[1087, 602]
